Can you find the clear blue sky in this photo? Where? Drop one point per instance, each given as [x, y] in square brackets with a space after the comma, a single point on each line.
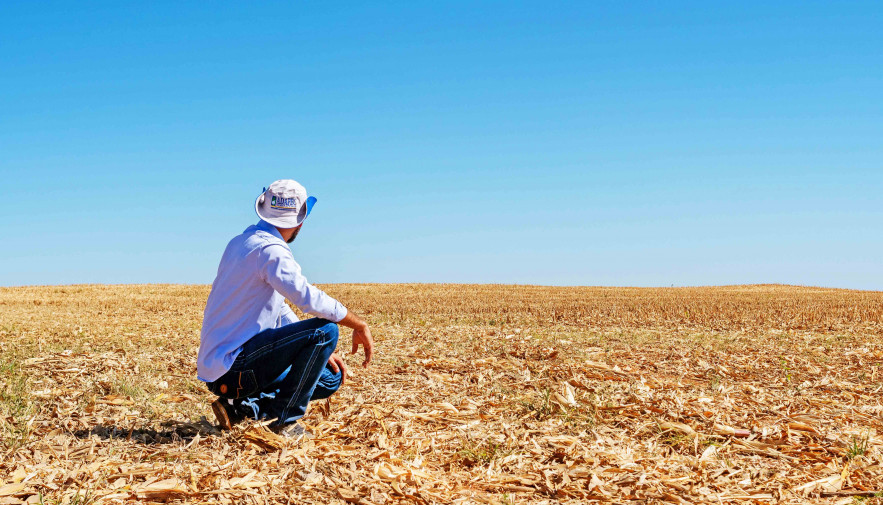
[598, 143]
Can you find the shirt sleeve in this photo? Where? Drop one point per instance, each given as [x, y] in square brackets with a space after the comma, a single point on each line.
[280, 270]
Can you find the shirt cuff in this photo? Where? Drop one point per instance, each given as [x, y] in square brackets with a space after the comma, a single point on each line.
[340, 312]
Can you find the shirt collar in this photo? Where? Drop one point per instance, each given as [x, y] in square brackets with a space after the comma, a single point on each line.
[269, 228]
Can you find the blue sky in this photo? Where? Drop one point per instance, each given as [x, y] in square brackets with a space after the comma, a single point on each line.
[591, 143]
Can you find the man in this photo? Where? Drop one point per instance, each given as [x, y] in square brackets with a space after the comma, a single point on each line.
[254, 353]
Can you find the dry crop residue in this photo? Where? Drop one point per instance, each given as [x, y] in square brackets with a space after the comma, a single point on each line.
[478, 394]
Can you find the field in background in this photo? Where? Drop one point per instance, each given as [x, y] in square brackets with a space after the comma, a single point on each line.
[479, 394]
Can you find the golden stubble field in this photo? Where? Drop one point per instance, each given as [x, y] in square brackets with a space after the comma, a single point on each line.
[478, 394]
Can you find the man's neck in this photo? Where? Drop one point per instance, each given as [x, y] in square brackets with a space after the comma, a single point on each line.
[287, 233]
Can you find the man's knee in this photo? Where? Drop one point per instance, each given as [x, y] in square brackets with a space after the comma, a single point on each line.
[334, 380]
[329, 382]
[330, 331]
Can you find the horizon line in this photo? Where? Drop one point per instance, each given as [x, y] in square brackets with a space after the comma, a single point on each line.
[575, 286]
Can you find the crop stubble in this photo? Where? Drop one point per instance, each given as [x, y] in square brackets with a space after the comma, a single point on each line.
[479, 394]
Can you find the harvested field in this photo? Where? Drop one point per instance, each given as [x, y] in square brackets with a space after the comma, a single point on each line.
[478, 394]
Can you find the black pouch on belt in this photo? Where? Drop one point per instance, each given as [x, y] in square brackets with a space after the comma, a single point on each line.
[235, 384]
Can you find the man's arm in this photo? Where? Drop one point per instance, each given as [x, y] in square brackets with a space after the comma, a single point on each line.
[361, 335]
[283, 273]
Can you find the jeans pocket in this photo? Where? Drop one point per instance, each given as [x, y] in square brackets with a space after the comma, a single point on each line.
[235, 384]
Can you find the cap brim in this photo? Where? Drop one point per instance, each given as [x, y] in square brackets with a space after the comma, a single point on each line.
[311, 200]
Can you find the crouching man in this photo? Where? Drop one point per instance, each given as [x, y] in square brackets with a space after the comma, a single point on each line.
[254, 354]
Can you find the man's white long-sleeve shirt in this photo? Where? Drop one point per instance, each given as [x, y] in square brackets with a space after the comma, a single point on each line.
[256, 274]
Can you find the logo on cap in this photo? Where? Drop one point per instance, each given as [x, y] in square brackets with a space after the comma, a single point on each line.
[283, 203]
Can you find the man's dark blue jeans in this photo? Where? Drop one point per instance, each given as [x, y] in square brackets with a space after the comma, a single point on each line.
[280, 370]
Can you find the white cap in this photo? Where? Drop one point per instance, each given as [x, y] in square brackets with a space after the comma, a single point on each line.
[284, 204]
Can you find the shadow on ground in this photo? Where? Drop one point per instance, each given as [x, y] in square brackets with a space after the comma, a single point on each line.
[174, 432]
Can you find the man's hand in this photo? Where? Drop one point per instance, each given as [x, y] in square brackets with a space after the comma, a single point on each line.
[361, 335]
[337, 364]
